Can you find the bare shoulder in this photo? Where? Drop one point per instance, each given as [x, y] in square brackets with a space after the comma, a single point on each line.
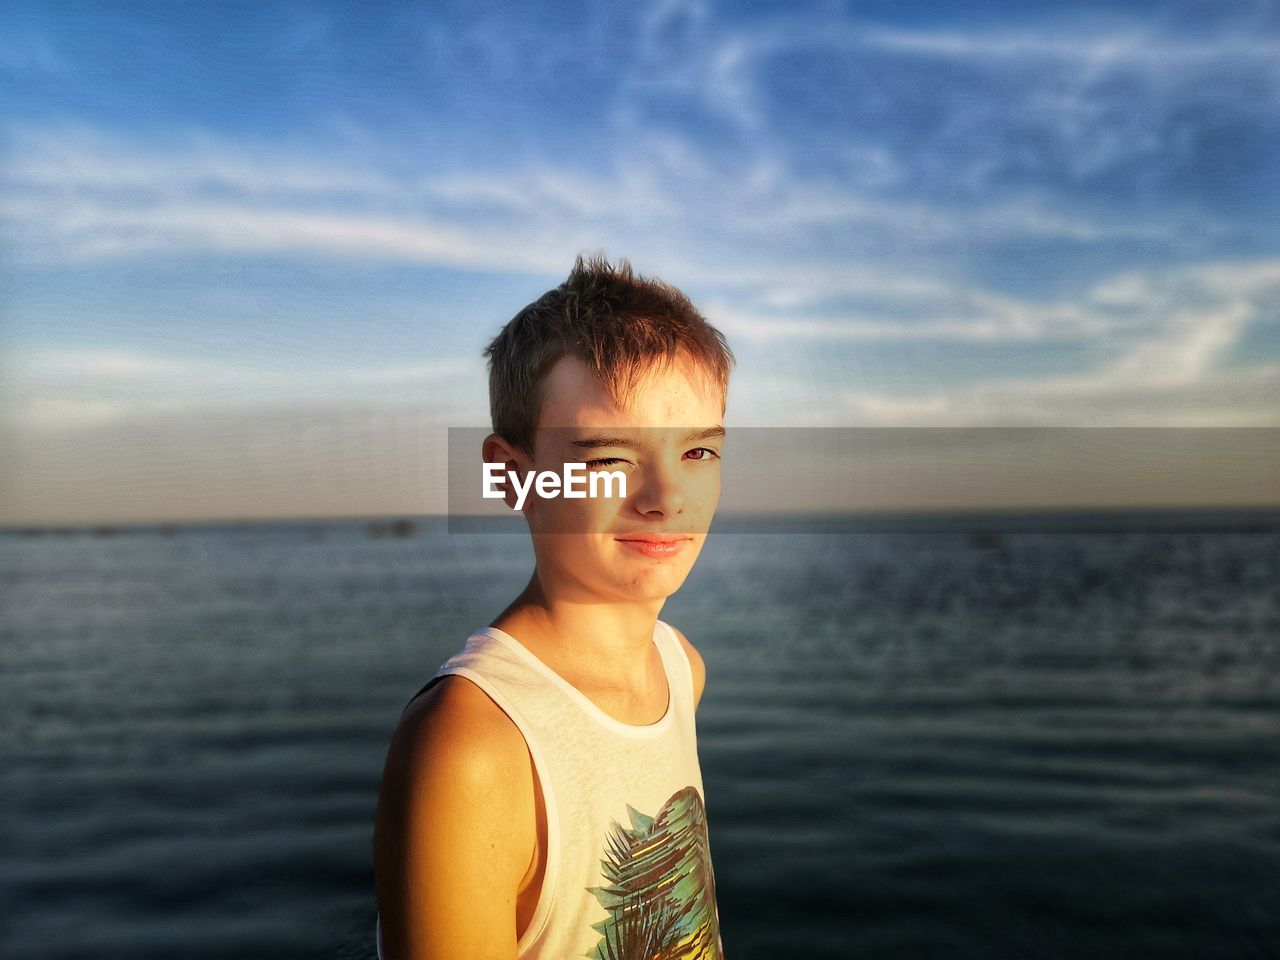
[695, 661]
[453, 725]
[455, 827]
[457, 714]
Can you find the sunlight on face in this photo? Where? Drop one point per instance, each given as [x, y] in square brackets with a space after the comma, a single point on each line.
[666, 443]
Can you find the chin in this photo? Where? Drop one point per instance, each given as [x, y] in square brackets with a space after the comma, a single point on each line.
[656, 581]
[641, 592]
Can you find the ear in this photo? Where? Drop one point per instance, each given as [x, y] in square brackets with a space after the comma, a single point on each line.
[496, 449]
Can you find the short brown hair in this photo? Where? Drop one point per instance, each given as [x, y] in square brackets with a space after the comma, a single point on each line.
[615, 322]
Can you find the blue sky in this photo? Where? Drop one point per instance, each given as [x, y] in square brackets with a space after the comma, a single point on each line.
[250, 244]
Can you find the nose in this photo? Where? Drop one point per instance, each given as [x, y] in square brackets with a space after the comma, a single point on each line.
[661, 493]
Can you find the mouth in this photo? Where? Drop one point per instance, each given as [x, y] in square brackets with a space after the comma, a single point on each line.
[654, 538]
[655, 545]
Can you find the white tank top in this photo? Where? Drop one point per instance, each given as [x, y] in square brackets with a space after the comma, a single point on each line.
[628, 870]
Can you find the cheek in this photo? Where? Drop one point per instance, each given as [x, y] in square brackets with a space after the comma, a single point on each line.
[706, 490]
[577, 515]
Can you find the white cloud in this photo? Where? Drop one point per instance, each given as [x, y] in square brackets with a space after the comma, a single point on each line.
[1170, 334]
[1098, 48]
[1167, 366]
[83, 157]
[107, 363]
[68, 388]
[53, 413]
[1173, 377]
[1241, 397]
[76, 196]
[1164, 342]
[1074, 94]
[432, 371]
[89, 229]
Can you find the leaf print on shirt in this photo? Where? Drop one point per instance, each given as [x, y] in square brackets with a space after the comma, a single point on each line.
[661, 895]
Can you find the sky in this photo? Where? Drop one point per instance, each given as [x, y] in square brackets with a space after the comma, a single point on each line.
[252, 252]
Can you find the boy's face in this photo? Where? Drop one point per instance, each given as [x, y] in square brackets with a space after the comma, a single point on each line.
[672, 483]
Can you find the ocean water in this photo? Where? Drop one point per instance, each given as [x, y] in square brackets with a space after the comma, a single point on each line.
[950, 743]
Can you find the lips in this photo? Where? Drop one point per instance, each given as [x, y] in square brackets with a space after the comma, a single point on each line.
[656, 546]
[656, 537]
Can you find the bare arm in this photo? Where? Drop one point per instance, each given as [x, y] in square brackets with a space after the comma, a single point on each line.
[454, 831]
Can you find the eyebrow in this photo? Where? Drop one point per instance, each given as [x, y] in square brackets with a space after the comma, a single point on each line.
[592, 443]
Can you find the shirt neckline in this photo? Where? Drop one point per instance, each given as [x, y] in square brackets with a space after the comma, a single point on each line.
[613, 723]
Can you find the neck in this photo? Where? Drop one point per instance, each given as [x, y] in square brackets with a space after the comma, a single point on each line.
[609, 646]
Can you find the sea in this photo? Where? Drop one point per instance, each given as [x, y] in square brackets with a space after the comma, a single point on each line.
[973, 737]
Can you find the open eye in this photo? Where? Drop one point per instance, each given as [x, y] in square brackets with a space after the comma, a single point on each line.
[713, 454]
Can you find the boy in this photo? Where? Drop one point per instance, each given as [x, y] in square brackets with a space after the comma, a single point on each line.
[542, 796]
